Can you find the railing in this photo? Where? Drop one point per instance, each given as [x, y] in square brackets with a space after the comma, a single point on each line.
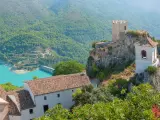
[156, 63]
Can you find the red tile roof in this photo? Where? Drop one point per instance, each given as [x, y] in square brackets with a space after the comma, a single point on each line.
[18, 100]
[58, 83]
[151, 42]
[22, 97]
[2, 93]
[148, 42]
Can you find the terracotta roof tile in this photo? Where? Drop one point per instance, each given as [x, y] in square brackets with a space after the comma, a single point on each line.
[148, 42]
[19, 100]
[58, 83]
[2, 93]
[151, 42]
[23, 99]
[13, 108]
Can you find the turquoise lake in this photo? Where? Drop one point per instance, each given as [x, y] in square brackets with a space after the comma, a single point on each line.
[17, 79]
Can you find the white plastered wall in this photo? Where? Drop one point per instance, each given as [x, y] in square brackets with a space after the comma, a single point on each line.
[141, 63]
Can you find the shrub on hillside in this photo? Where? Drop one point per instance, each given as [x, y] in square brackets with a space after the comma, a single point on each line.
[137, 33]
[9, 87]
[151, 69]
[94, 44]
[68, 67]
[116, 87]
[101, 76]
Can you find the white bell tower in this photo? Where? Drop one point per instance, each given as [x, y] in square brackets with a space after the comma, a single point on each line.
[146, 55]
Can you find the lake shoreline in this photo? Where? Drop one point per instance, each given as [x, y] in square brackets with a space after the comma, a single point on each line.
[14, 69]
[18, 76]
[20, 71]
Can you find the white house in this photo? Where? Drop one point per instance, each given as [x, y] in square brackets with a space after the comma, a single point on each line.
[146, 54]
[40, 95]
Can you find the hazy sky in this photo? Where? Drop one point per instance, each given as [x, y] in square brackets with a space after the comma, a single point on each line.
[148, 5]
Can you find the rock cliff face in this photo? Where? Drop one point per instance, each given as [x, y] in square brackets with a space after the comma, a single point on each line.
[116, 53]
[154, 80]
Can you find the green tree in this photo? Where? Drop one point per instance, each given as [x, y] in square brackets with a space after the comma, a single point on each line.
[9, 87]
[35, 77]
[68, 67]
[118, 87]
[90, 95]
[137, 106]
[141, 99]
[57, 113]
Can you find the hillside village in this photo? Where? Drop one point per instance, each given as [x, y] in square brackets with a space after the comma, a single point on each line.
[38, 96]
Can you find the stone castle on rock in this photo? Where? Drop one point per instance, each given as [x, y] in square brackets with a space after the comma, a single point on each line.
[126, 46]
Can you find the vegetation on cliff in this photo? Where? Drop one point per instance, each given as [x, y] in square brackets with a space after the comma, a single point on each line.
[102, 73]
[151, 69]
[137, 33]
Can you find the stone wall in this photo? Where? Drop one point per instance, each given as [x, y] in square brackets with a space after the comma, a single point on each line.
[154, 80]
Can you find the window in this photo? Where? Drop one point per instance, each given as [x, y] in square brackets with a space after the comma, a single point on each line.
[58, 95]
[31, 111]
[144, 54]
[125, 28]
[45, 108]
[45, 98]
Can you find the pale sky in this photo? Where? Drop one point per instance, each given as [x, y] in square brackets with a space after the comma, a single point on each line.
[148, 5]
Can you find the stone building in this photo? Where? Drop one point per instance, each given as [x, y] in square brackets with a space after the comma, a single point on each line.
[118, 26]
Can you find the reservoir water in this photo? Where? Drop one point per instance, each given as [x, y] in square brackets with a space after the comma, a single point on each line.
[17, 79]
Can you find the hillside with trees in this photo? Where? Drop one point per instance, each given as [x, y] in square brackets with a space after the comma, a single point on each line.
[64, 30]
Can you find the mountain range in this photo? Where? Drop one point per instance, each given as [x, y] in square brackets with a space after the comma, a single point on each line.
[66, 27]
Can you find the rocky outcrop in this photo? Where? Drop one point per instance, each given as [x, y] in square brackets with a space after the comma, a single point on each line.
[154, 79]
[116, 53]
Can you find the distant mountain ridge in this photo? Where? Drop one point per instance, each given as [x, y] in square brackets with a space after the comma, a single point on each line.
[67, 27]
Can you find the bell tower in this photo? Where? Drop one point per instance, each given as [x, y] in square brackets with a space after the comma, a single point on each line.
[146, 54]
